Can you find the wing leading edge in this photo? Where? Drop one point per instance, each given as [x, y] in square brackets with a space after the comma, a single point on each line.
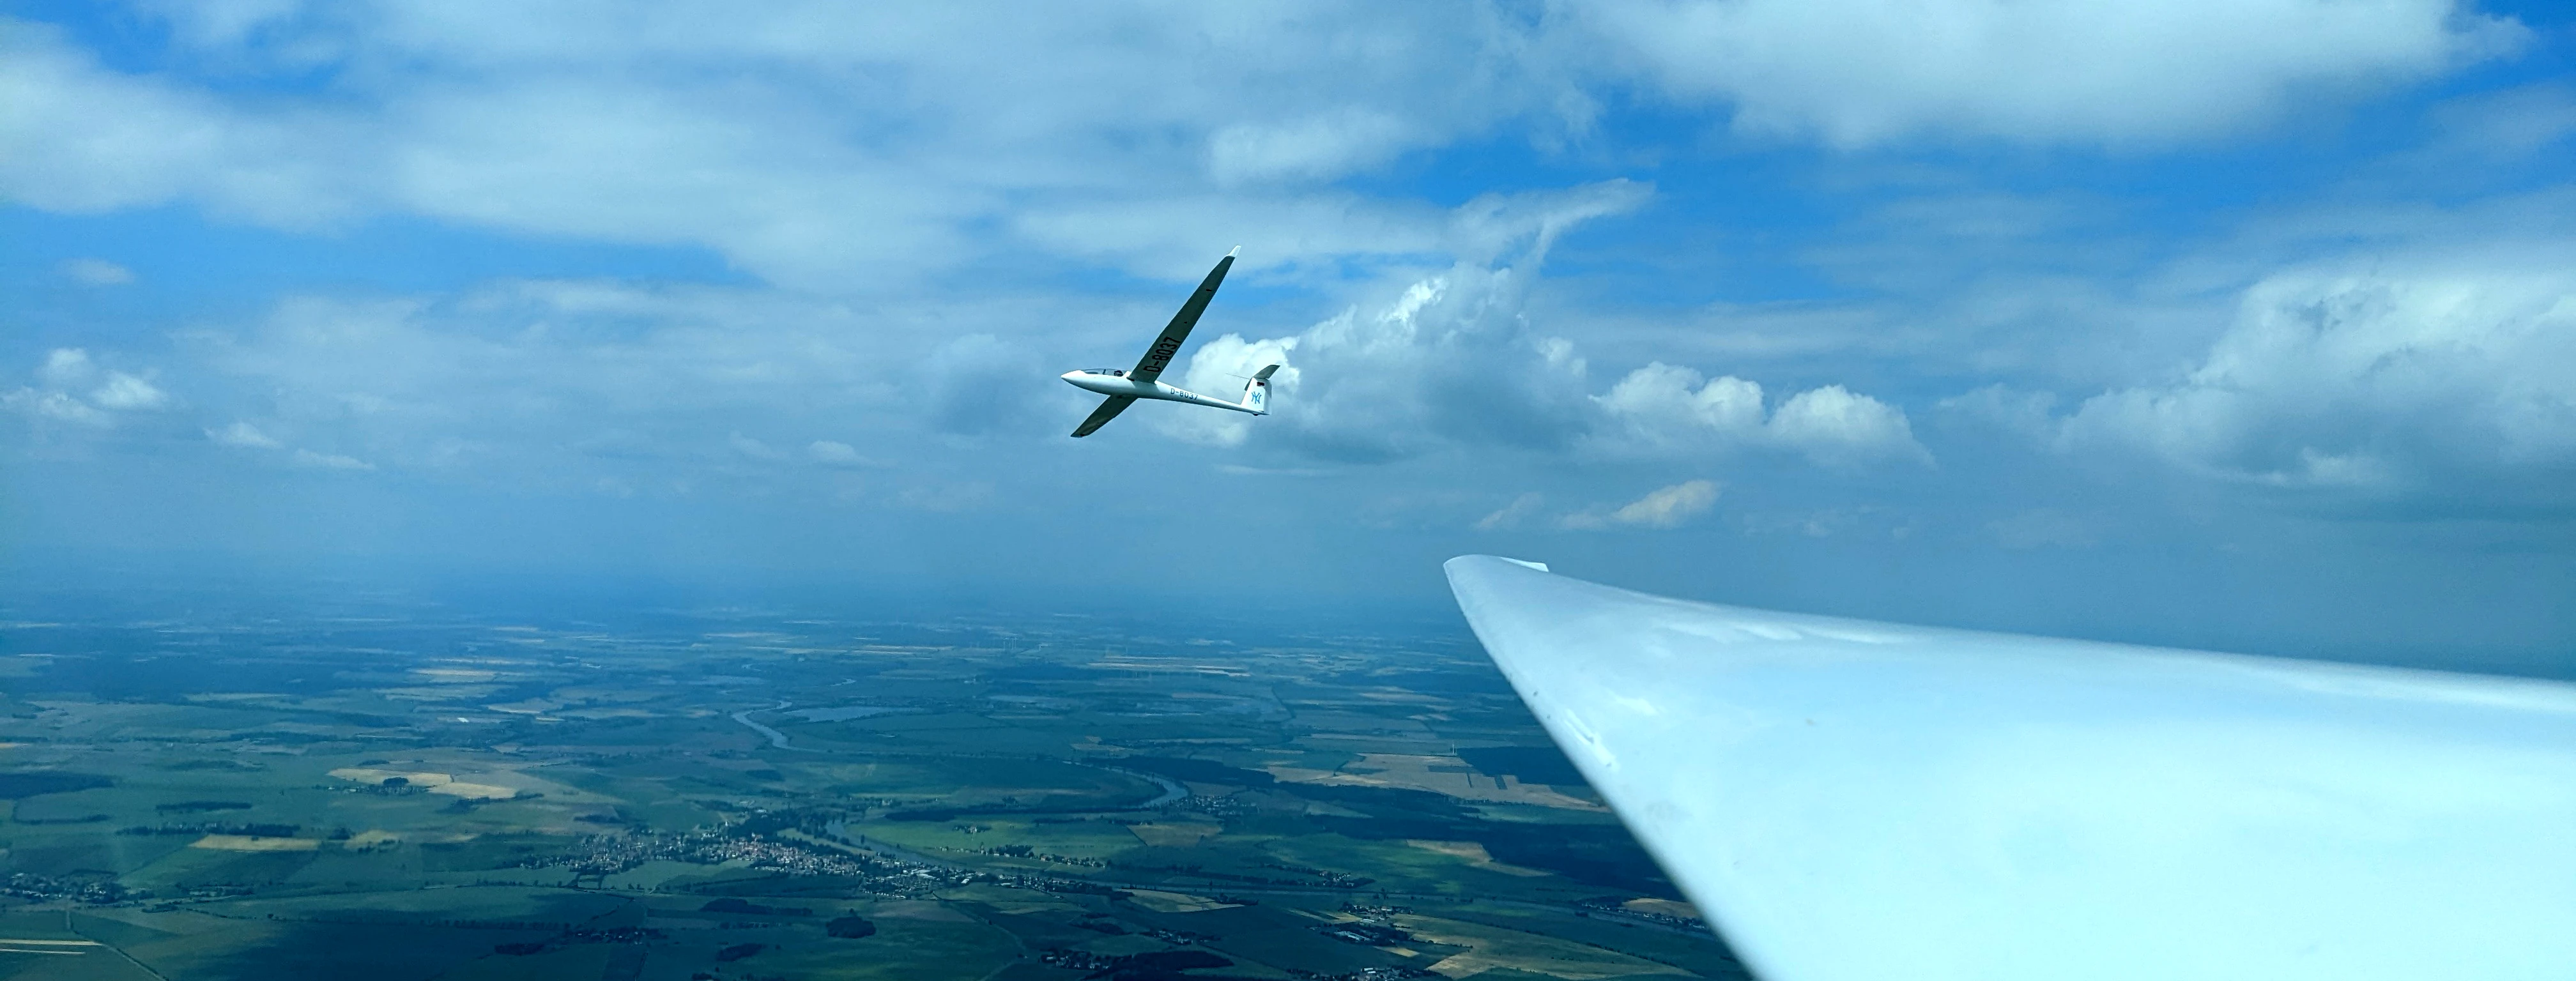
[1857, 800]
[1177, 332]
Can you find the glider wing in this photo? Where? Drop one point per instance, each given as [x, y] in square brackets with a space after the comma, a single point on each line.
[1857, 801]
[1175, 333]
[1109, 409]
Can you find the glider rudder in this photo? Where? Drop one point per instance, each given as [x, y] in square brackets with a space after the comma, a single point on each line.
[1256, 393]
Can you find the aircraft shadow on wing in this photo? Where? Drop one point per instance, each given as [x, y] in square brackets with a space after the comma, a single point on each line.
[1145, 380]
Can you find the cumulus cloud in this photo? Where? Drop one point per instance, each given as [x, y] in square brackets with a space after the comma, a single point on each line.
[2449, 380]
[66, 367]
[126, 392]
[1860, 72]
[1447, 360]
[1664, 507]
[1453, 360]
[1662, 407]
[72, 388]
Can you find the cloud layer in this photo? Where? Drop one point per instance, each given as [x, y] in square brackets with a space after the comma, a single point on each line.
[2449, 381]
[846, 148]
[1860, 72]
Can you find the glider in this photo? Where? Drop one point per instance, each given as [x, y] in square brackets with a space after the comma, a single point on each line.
[1857, 801]
[1144, 380]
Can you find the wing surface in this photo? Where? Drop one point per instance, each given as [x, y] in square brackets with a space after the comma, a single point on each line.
[1109, 409]
[1857, 801]
[1175, 333]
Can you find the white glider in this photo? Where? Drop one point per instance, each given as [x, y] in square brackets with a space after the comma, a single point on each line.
[1144, 380]
[1857, 801]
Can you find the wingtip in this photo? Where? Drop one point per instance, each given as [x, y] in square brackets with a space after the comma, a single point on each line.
[1229, 253]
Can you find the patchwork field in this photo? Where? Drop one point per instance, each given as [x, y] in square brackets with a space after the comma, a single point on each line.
[416, 793]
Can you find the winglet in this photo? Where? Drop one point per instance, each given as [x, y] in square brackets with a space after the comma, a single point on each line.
[1229, 253]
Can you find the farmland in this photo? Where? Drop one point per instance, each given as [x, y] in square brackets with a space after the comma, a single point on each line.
[404, 791]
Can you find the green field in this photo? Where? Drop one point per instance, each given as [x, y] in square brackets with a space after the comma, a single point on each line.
[415, 797]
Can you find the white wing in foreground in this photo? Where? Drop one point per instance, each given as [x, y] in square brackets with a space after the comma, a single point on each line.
[1856, 801]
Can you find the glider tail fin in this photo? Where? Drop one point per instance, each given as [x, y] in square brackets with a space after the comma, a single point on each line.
[1256, 393]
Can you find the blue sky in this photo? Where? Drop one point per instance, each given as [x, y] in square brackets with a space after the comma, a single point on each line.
[2248, 325]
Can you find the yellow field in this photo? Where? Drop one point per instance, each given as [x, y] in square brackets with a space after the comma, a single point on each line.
[1495, 947]
[1415, 773]
[1664, 907]
[1474, 853]
[475, 791]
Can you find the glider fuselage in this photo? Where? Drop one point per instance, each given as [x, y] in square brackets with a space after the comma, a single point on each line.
[1114, 382]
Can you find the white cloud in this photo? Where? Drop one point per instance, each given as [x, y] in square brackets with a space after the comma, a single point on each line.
[1834, 426]
[68, 369]
[1859, 72]
[824, 145]
[96, 272]
[102, 141]
[520, 373]
[243, 435]
[853, 148]
[125, 392]
[1665, 408]
[1322, 146]
[1664, 507]
[55, 406]
[2443, 380]
[1453, 360]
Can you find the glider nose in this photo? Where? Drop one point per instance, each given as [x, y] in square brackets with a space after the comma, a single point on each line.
[1089, 381]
